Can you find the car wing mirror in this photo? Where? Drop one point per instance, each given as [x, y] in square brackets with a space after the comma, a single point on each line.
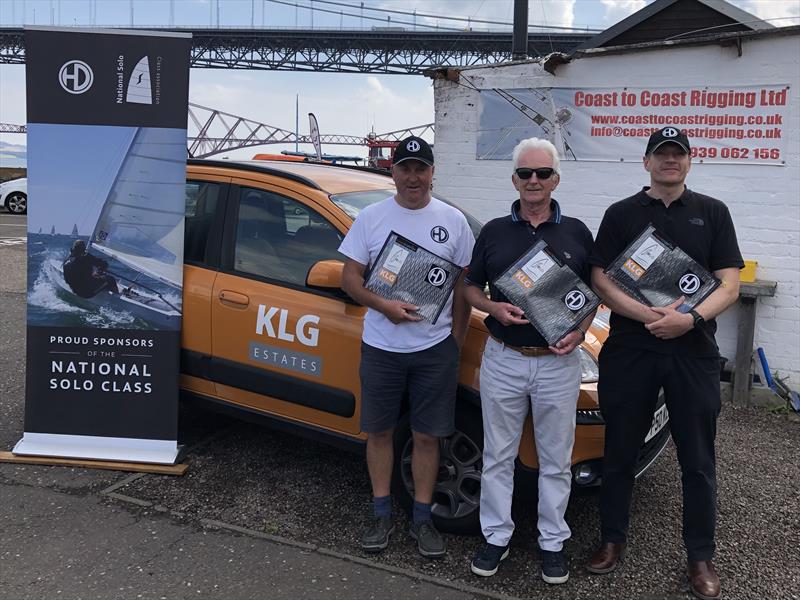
[326, 275]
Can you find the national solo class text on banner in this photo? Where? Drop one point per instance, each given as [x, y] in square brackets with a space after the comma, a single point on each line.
[107, 114]
[725, 124]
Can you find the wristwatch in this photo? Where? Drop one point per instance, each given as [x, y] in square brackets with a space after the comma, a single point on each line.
[698, 318]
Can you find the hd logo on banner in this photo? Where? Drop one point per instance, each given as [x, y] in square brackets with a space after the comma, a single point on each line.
[107, 115]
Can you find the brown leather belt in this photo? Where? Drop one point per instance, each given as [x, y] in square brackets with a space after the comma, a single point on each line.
[524, 350]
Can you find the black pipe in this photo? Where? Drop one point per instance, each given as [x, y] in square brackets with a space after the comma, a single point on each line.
[519, 46]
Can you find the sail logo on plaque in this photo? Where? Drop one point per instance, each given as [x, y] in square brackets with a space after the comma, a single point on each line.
[437, 276]
[689, 283]
[140, 90]
[393, 263]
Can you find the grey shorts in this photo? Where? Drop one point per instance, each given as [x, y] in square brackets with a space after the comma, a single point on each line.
[429, 376]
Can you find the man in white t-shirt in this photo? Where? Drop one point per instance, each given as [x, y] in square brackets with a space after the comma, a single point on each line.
[402, 353]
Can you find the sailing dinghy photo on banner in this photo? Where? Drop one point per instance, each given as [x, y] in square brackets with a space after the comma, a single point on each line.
[107, 113]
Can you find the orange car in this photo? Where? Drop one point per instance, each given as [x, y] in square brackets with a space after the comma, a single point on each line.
[268, 332]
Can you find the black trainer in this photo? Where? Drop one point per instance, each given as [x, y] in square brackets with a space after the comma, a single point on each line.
[554, 567]
[488, 559]
[376, 536]
[430, 542]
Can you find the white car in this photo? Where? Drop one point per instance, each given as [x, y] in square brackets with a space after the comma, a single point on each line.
[14, 196]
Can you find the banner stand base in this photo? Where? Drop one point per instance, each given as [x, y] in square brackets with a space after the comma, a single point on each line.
[111, 465]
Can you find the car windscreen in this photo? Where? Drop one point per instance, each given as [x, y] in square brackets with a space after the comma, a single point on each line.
[353, 203]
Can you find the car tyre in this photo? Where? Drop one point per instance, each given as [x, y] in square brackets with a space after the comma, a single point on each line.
[456, 496]
[17, 203]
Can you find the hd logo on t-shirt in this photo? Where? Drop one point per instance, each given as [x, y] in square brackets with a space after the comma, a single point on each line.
[436, 276]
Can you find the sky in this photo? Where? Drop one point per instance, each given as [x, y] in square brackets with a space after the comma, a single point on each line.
[347, 103]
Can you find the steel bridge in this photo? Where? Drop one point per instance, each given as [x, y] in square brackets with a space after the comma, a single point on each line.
[342, 51]
[212, 131]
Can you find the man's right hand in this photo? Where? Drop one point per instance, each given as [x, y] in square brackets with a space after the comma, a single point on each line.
[508, 314]
[398, 312]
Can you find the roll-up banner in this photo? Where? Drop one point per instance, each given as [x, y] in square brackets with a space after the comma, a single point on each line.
[107, 113]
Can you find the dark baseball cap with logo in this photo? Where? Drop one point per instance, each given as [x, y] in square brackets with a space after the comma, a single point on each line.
[413, 148]
[667, 135]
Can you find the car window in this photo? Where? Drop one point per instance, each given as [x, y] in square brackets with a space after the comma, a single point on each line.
[353, 203]
[202, 199]
[280, 238]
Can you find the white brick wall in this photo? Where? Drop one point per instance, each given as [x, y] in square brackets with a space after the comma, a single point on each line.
[764, 200]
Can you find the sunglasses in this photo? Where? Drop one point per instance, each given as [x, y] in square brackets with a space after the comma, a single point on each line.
[541, 172]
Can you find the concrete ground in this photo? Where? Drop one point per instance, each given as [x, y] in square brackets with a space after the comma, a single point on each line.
[259, 515]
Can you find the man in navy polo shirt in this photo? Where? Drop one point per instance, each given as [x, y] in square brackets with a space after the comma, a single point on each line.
[520, 372]
[653, 348]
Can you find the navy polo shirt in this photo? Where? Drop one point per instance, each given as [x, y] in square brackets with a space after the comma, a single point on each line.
[502, 241]
[700, 225]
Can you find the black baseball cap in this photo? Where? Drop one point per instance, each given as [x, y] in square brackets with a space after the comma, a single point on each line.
[413, 148]
[667, 135]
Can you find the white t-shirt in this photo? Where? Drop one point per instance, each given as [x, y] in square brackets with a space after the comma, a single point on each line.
[439, 228]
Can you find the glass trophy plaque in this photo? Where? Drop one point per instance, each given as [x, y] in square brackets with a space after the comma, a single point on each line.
[408, 272]
[656, 272]
[554, 299]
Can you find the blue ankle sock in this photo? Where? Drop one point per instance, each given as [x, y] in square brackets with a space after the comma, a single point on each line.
[382, 506]
[422, 512]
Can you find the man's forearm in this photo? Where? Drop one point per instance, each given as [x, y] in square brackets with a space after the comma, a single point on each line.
[353, 285]
[476, 297]
[722, 297]
[619, 301]
[461, 311]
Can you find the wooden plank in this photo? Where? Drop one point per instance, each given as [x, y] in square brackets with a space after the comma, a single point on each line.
[759, 287]
[179, 469]
[742, 377]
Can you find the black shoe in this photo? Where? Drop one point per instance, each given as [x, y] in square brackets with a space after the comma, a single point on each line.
[430, 542]
[376, 536]
[554, 567]
[487, 559]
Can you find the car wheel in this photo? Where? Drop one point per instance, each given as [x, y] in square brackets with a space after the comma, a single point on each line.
[17, 203]
[457, 494]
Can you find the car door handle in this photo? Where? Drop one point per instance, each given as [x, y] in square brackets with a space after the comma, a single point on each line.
[234, 298]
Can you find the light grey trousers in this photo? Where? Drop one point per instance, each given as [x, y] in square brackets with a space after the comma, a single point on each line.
[511, 384]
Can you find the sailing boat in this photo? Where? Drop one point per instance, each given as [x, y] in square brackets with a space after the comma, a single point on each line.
[75, 230]
[53, 230]
[136, 228]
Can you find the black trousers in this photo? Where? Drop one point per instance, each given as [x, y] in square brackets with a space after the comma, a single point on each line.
[630, 380]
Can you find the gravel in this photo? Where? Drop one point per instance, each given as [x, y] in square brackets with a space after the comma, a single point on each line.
[270, 482]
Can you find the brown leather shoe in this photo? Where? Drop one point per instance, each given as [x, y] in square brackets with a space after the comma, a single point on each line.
[606, 558]
[703, 580]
